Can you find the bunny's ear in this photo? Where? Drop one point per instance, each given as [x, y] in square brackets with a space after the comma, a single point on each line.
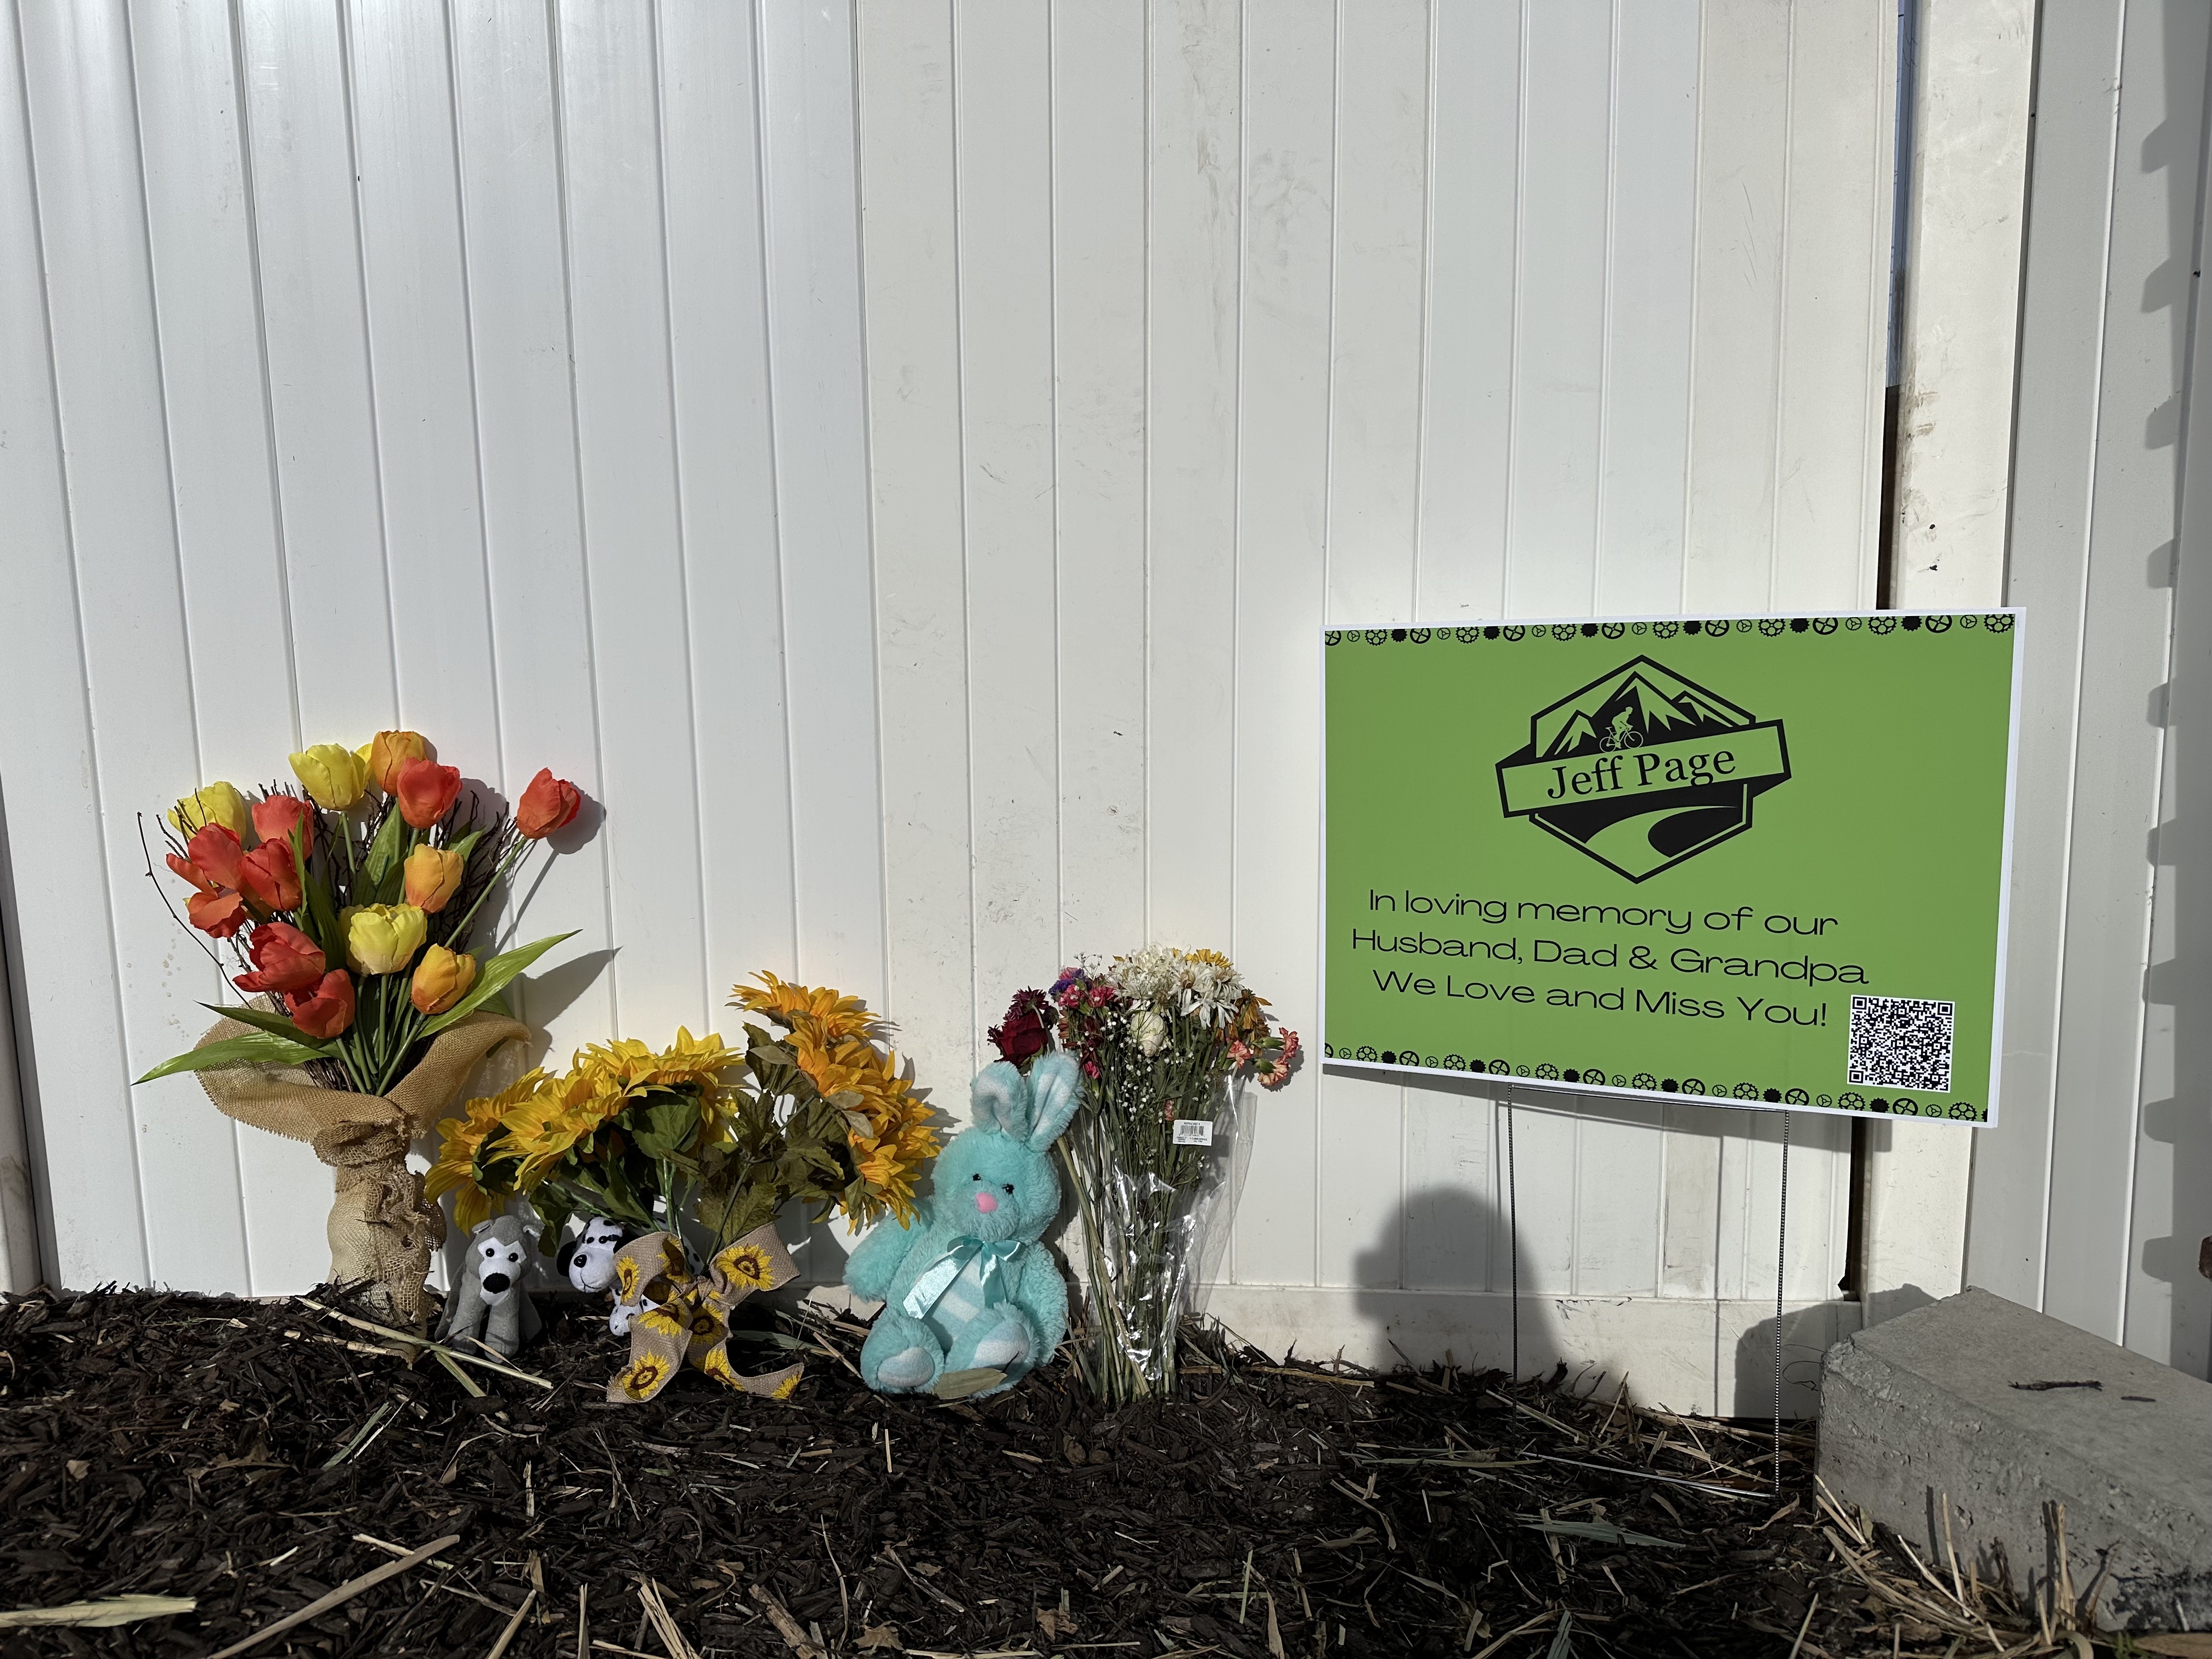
[1057, 1088]
[1000, 1097]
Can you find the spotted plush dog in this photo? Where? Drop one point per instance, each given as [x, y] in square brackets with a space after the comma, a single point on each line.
[587, 1260]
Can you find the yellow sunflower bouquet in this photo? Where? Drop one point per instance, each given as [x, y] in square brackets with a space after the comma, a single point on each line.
[700, 1139]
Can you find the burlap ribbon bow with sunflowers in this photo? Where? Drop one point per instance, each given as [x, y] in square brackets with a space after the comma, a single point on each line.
[688, 1315]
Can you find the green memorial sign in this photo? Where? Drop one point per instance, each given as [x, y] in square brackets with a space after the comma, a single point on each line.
[1759, 862]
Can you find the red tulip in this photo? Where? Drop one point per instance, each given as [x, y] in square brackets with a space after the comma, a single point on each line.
[269, 877]
[428, 791]
[284, 959]
[273, 820]
[216, 852]
[219, 915]
[548, 804]
[327, 1011]
[189, 872]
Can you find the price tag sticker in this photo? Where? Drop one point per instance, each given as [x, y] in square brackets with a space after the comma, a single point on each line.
[1194, 1132]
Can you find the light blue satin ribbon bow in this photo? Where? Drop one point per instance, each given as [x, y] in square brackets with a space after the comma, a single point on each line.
[938, 1277]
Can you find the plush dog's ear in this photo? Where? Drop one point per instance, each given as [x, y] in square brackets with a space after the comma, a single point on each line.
[1056, 1091]
[1000, 1097]
[568, 1254]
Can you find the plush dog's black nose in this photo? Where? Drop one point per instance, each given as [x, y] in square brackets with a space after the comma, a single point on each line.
[496, 1283]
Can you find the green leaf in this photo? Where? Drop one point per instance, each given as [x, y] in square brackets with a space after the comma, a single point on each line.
[384, 852]
[256, 1048]
[462, 846]
[262, 1020]
[491, 980]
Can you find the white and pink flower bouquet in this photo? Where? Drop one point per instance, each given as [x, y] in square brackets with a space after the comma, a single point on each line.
[1166, 1038]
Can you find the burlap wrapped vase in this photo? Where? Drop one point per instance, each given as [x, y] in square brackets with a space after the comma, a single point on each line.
[381, 1228]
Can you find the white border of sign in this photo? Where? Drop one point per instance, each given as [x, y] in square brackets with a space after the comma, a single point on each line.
[1498, 1081]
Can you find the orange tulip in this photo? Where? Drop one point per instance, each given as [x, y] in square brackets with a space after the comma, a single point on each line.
[269, 877]
[273, 820]
[427, 791]
[433, 876]
[389, 753]
[546, 805]
[326, 1012]
[216, 853]
[219, 915]
[284, 959]
[442, 978]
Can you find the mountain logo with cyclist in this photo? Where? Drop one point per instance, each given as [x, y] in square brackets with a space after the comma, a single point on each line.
[1642, 769]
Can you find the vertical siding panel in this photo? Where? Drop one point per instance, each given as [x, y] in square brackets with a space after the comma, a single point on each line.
[1835, 290]
[1650, 266]
[633, 545]
[1192, 244]
[298, 119]
[1452, 1206]
[199, 225]
[2062, 329]
[1455, 1201]
[2126, 634]
[69, 1032]
[910, 259]
[1558, 408]
[1379, 189]
[1559, 348]
[511, 215]
[84, 136]
[1098, 171]
[2169, 1305]
[718, 321]
[1742, 143]
[1689, 1202]
[1002, 105]
[201, 235]
[811, 170]
[1282, 468]
[416, 293]
[1474, 251]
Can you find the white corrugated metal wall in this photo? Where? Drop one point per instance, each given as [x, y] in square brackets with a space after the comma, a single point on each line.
[2090, 1198]
[898, 458]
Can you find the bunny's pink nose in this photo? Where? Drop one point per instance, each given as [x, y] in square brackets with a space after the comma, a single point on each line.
[986, 1203]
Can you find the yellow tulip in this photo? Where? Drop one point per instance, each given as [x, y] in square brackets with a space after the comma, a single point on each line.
[333, 775]
[433, 876]
[215, 803]
[381, 938]
[441, 979]
[386, 752]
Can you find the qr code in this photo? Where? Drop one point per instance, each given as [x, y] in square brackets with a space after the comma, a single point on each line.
[1901, 1042]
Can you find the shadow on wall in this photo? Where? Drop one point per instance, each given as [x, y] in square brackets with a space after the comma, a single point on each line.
[1469, 1318]
[1807, 1335]
[27, 1242]
[2181, 847]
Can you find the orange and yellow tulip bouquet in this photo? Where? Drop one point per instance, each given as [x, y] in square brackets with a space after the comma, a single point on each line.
[350, 901]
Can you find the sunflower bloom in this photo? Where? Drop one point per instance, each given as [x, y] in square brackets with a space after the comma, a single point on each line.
[747, 1265]
[642, 1378]
[830, 1012]
[463, 1138]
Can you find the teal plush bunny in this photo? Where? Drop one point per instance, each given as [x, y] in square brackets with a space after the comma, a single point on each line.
[968, 1287]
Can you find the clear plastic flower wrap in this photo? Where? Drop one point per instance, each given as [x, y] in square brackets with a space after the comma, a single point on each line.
[1166, 1039]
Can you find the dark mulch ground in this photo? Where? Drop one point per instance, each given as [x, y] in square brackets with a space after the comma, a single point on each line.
[182, 1445]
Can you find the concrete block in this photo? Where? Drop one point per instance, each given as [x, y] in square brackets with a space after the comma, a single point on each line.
[1924, 1407]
